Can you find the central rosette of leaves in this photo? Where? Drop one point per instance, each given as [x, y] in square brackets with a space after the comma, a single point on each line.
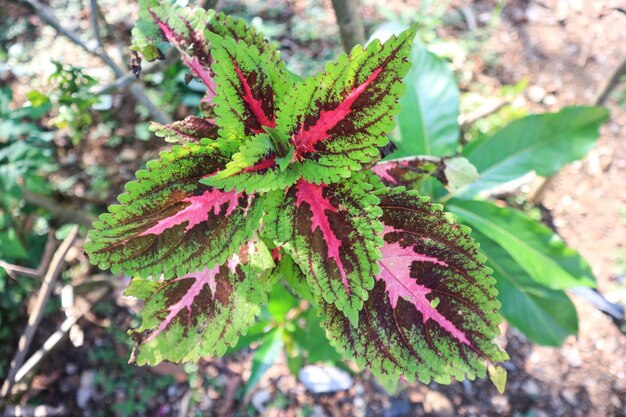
[275, 170]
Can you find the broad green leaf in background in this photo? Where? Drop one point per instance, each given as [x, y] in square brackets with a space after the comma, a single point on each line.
[544, 315]
[540, 251]
[264, 357]
[543, 143]
[427, 120]
[11, 246]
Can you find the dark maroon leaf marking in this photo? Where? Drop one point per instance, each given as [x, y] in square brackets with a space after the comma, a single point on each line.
[395, 271]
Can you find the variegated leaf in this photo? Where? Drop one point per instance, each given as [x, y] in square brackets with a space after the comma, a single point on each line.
[190, 129]
[257, 167]
[336, 121]
[170, 223]
[432, 313]
[409, 172]
[250, 88]
[204, 312]
[332, 233]
[186, 30]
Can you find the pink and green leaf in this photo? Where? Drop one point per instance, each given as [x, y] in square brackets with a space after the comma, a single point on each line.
[169, 223]
[257, 167]
[432, 313]
[332, 233]
[337, 120]
[204, 312]
[190, 129]
[408, 172]
[250, 88]
[186, 29]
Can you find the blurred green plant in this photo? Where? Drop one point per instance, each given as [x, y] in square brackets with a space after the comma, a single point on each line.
[25, 157]
[287, 323]
[72, 99]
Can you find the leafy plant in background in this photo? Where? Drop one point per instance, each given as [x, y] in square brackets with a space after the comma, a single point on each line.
[530, 262]
[72, 99]
[25, 155]
[271, 187]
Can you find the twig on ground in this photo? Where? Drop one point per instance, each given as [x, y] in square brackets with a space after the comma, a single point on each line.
[47, 16]
[483, 111]
[48, 252]
[93, 5]
[612, 83]
[75, 313]
[34, 411]
[52, 273]
[60, 211]
[22, 270]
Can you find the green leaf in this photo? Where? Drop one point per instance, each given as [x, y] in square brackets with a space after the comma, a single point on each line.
[336, 121]
[537, 249]
[187, 29]
[544, 315]
[310, 337]
[204, 312]
[10, 245]
[459, 172]
[332, 233]
[280, 302]
[294, 277]
[543, 143]
[264, 358]
[430, 108]
[497, 374]
[170, 223]
[432, 313]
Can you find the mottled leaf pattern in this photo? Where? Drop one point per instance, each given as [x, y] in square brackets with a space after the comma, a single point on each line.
[337, 120]
[332, 233]
[170, 223]
[432, 313]
[204, 312]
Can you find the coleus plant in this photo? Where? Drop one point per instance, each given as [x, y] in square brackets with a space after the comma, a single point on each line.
[275, 169]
